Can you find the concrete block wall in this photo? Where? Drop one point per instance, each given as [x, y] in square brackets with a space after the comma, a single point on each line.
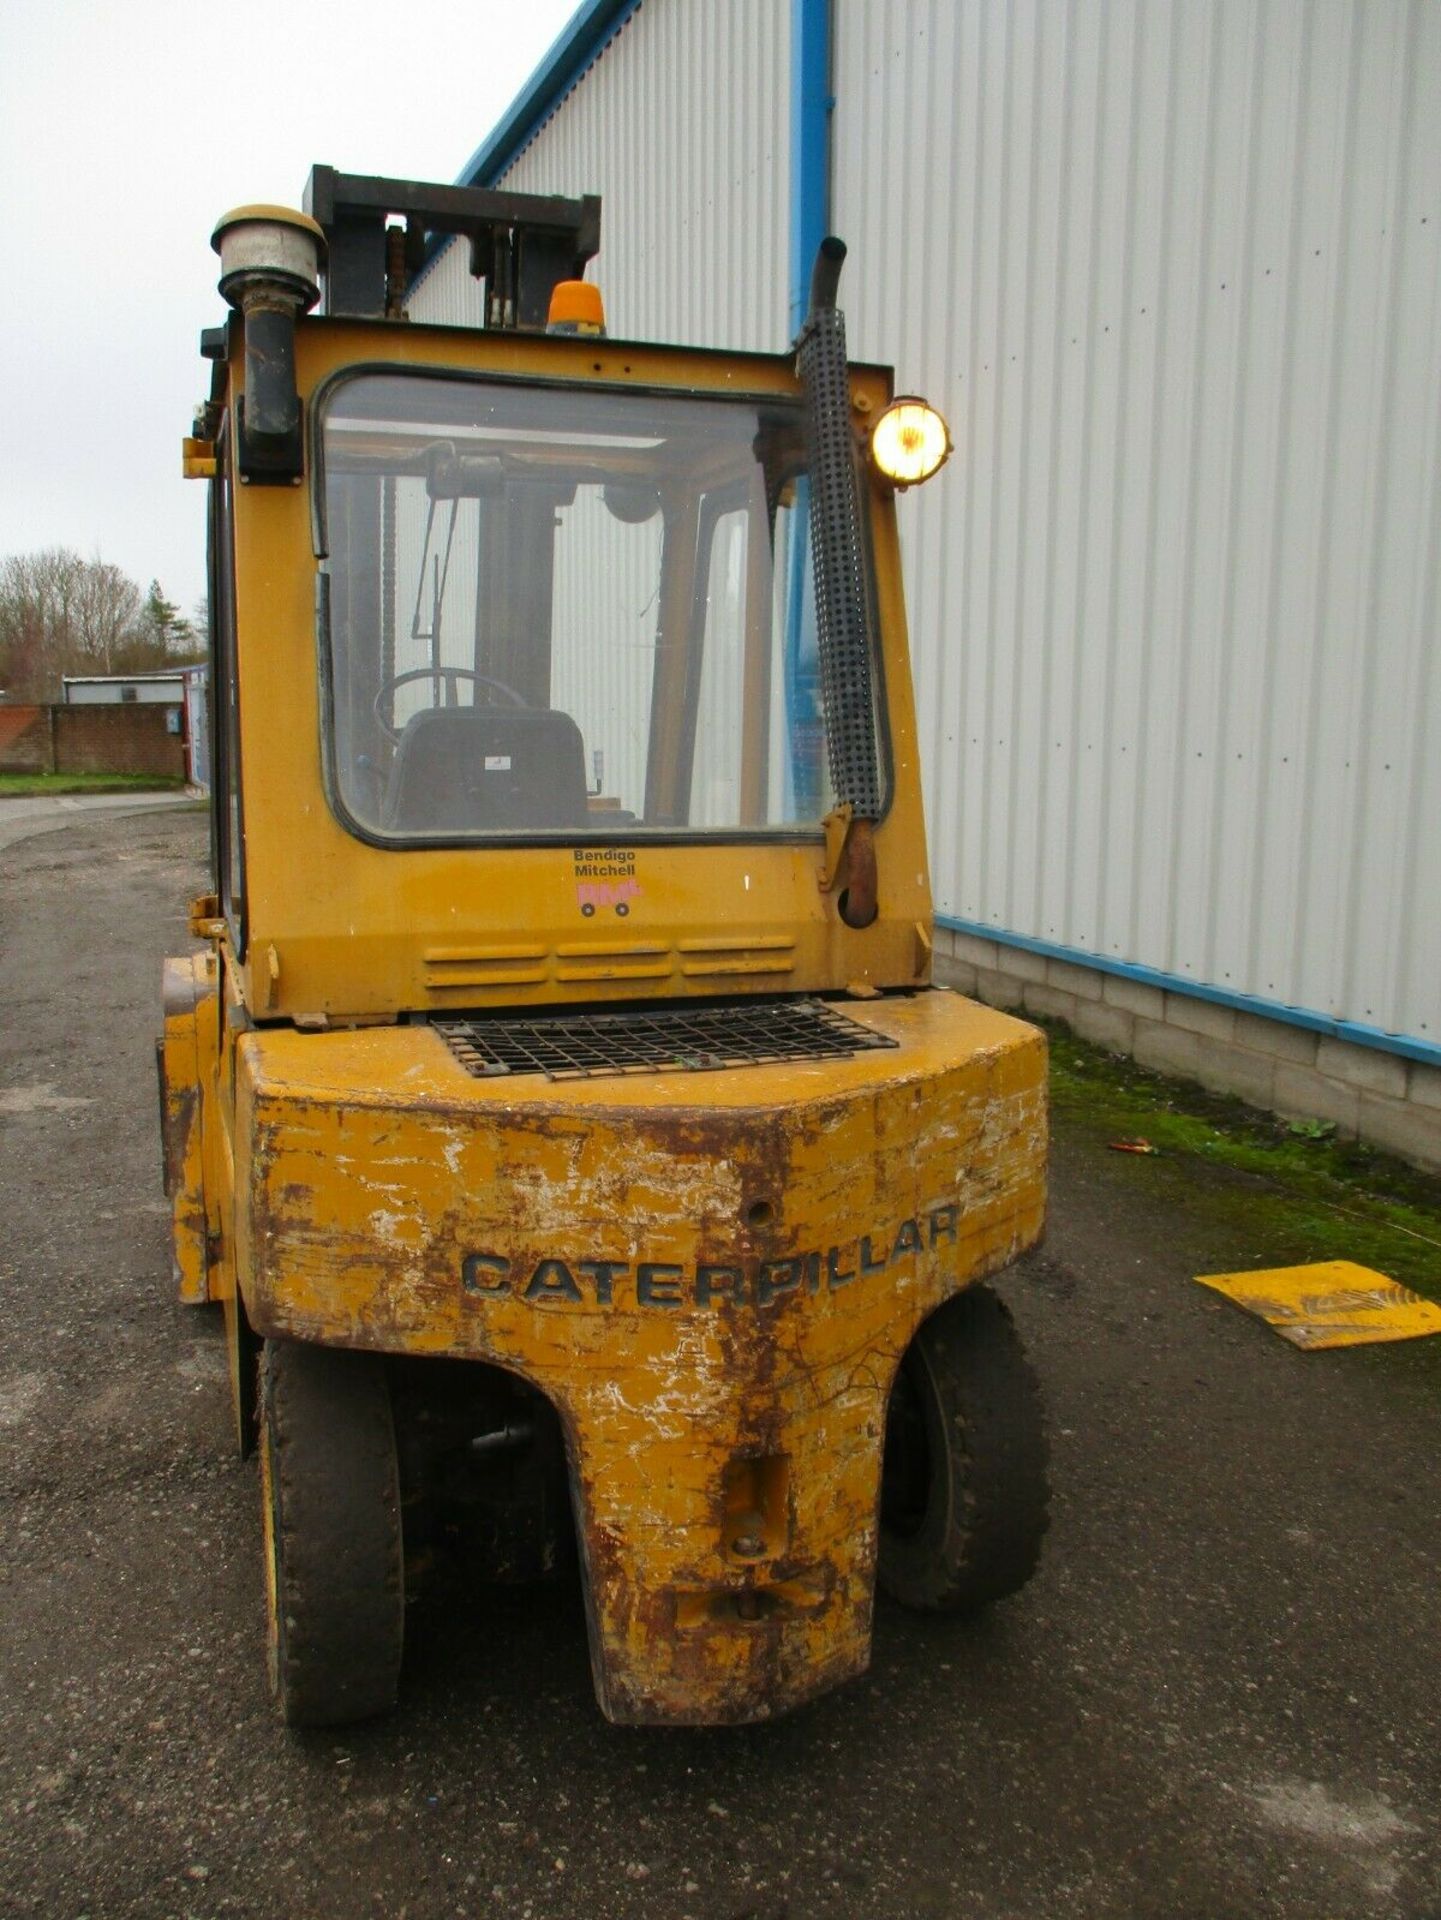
[1393, 1103]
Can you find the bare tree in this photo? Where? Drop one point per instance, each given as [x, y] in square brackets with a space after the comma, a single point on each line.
[60, 614]
[37, 596]
[108, 611]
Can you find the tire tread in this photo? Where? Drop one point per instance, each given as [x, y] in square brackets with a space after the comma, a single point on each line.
[339, 1571]
[989, 1509]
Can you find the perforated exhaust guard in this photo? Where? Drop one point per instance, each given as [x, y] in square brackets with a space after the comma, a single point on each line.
[837, 546]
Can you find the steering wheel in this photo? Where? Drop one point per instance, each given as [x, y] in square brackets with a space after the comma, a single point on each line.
[452, 676]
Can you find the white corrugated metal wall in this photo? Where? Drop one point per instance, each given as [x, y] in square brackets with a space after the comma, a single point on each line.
[1173, 272]
[682, 126]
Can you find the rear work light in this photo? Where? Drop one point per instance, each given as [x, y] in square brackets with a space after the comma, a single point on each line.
[909, 442]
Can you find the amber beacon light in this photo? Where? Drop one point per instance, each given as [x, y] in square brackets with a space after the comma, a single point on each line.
[576, 307]
[910, 442]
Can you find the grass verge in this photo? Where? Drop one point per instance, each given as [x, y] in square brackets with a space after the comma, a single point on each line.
[1292, 1193]
[25, 785]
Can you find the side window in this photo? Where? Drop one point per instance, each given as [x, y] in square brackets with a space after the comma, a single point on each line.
[227, 814]
[757, 730]
[717, 762]
[604, 643]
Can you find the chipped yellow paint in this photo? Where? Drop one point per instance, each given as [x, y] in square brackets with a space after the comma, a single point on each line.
[197, 459]
[1329, 1303]
[188, 1044]
[374, 1169]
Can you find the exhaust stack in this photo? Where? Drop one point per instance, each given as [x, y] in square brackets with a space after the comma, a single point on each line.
[842, 595]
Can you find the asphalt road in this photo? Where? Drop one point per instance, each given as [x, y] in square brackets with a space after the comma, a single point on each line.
[23, 816]
[1219, 1697]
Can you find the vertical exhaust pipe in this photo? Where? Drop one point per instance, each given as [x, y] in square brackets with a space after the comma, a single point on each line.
[842, 596]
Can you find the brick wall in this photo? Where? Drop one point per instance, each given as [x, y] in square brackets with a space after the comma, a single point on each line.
[118, 739]
[26, 742]
[1366, 1092]
[100, 739]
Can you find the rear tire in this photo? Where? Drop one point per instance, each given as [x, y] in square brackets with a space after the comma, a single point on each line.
[335, 1584]
[963, 1492]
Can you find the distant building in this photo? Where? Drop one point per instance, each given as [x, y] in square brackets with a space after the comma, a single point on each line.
[183, 688]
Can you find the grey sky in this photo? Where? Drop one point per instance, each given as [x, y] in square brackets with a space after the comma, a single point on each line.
[126, 128]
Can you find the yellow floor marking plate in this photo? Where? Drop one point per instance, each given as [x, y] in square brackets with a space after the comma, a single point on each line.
[1331, 1303]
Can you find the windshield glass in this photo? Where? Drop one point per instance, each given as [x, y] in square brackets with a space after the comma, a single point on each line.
[568, 611]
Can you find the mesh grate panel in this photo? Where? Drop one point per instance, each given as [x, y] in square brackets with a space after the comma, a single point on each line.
[670, 1039]
[839, 568]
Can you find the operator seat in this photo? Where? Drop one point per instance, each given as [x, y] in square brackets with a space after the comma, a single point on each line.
[487, 769]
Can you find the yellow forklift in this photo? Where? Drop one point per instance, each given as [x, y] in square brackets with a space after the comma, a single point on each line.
[560, 1109]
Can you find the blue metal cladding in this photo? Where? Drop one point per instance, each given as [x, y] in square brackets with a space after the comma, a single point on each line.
[811, 105]
[810, 213]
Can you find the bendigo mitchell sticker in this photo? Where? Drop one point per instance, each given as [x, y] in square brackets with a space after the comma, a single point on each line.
[605, 877]
[662, 1283]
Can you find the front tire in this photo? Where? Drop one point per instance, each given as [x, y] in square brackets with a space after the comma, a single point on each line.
[335, 1585]
[963, 1492]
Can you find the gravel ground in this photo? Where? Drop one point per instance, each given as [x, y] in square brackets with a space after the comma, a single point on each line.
[1219, 1697]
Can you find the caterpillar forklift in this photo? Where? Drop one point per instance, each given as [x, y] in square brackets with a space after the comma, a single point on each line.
[559, 1108]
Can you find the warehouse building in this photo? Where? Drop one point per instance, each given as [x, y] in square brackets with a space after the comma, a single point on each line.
[1172, 273]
